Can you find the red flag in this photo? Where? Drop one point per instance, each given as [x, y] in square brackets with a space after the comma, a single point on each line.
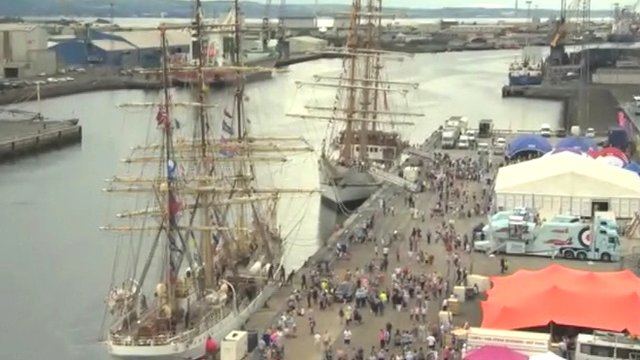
[162, 118]
[174, 206]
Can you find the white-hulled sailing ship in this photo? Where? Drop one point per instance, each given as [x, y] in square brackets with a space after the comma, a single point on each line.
[362, 128]
[211, 231]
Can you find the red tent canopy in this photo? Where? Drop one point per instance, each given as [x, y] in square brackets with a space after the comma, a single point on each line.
[600, 300]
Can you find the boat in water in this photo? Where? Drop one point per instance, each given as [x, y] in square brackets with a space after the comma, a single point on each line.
[218, 54]
[525, 72]
[197, 257]
[362, 131]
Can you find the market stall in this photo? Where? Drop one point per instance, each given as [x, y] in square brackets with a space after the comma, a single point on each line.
[528, 144]
[598, 300]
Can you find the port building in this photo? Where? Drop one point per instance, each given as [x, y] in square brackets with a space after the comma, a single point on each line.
[119, 49]
[24, 51]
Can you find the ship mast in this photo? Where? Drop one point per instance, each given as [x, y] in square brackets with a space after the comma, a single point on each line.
[202, 87]
[378, 63]
[366, 93]
[202, 84]
[174, 253]
[352, 44]
[244, 175]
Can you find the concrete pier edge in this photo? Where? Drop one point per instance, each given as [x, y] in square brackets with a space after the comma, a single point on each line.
[30, 142]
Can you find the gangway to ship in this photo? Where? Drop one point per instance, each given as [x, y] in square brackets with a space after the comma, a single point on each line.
[393, 179]
[419, 153]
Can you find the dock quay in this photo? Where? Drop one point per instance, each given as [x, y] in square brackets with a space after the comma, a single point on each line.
[586, 105]
[99, 81]
[394, 210]
[24, 137]
[78, 86]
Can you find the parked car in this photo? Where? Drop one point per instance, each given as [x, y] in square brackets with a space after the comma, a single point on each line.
[463, 142]
[562, 132]
[483, 148]
[545, 130]
[471, 135]
[590, 133]
[345, 291]
[500, 146]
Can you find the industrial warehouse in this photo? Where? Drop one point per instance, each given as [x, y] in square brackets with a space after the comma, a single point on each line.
[117, 49]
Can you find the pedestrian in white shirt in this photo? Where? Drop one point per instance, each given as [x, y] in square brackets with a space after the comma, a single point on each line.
[346, 334]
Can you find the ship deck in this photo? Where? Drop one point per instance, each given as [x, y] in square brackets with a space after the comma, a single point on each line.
[365, 335]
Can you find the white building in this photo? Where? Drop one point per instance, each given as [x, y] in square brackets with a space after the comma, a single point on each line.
[478, 29]
[24, 51]
[568, 183]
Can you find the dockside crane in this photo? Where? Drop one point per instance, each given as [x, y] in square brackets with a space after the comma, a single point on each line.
[558, 55]
[575, 18]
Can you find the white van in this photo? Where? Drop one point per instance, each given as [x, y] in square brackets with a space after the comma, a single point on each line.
[545, 130]
[463, 142]
[483, 148]
[500, 146]
[471, 134]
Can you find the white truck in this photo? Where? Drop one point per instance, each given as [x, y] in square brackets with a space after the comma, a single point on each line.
[459, 122]
[450, 138]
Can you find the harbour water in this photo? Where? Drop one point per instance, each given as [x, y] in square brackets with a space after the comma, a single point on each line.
[55, 266]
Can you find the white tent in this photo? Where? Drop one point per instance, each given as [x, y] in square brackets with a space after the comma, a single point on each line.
[568, 183]
[546, 356]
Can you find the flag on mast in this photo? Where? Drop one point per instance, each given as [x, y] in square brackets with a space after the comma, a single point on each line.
[162, 117]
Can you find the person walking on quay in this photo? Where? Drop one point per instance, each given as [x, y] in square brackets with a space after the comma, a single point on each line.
[210, 348]
[504, 266]
[346, 335]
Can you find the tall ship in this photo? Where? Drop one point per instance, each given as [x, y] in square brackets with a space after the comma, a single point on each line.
[362, 131]
[198, 255]
[218, 54]
[525, 71]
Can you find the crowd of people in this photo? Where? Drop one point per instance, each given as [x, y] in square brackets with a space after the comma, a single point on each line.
[403, 271]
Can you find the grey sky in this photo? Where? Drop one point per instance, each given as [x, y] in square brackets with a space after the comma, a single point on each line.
[548, 4]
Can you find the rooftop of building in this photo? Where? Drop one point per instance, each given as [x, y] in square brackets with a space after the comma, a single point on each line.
[148, 39]
[17, 27]
[112, 45]
[56, 38]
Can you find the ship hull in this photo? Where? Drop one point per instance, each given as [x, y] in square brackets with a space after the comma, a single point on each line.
[223, 77]
[524, 80]
[346, 187]
[195, 347]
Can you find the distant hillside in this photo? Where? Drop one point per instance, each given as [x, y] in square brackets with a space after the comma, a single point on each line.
[173, 8]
